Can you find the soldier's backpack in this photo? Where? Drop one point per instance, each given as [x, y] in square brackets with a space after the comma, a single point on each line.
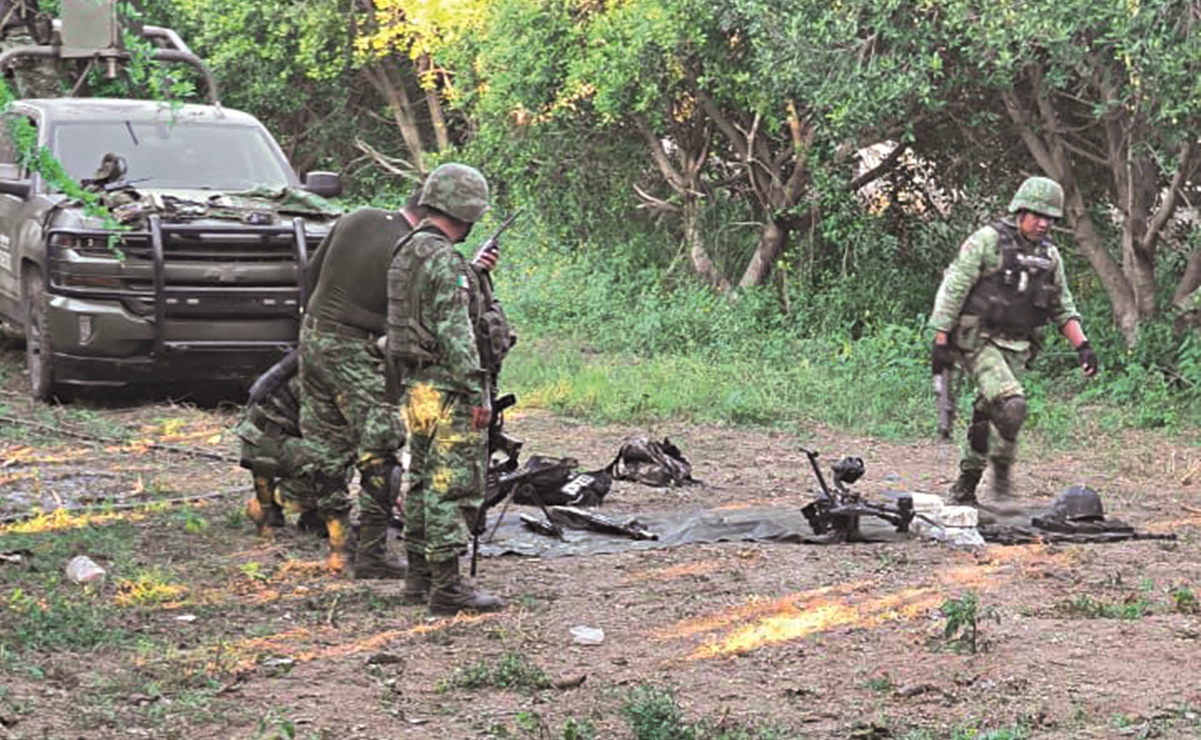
[643, 460]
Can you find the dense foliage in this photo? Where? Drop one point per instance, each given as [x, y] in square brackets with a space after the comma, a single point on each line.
[760, 181]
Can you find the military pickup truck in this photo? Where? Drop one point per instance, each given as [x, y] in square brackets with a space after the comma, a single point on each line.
[191, 270]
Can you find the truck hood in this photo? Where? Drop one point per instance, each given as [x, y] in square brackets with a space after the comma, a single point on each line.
[131, 206]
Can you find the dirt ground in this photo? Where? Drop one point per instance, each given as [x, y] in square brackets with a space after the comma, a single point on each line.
[807, 641]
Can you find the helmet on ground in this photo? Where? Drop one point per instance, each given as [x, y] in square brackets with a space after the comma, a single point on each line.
[457, 190]
[1041, 195]
[1078, 504]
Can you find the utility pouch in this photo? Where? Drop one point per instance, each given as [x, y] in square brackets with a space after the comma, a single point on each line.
[966, 334]
[1043, 294]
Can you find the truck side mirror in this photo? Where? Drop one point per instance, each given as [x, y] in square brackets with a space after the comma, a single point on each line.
[11, 182]
[325, 184]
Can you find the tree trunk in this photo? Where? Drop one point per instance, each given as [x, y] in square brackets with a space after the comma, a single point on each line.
[389, 82]
[771, 242]
[682, 173]
[1088, 242]
[433, 104]
[1191, 279]
[1038, 125]
[701, 262]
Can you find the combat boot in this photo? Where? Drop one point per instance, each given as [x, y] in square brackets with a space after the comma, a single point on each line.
[375, 514]
[371, 562]
[337, 523]
[963, 490]
[449, 595]
[371, 559]
[263, 510]
[417, 580]
[1002, 486]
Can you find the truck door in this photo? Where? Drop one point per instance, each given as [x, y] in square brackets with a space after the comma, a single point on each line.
[12, 206]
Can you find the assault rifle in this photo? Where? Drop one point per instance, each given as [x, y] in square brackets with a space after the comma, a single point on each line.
[504, 477]
[498, 441]
[275, 376]
[838, 510]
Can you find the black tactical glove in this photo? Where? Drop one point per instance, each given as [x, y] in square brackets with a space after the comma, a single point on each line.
[941, 358]
[1087, 358]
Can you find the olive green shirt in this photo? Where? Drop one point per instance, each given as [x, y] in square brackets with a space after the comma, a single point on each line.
[347, 277]
[980, 255]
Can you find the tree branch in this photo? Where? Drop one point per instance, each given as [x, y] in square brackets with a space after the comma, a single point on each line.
[1167, 205]
[659, 155]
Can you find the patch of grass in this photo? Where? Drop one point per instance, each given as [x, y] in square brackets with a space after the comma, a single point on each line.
[888, 562]
[254, 571]
[193, 522]
[274, 725]
[1015, 732]
[532, 726]
[881, 682]
[1087, 606]
[57, 619]
[970, 731]
[39, 607]
[511, 670]
[812, 386]
[652, 713]
[1181, 599]
[574, 729]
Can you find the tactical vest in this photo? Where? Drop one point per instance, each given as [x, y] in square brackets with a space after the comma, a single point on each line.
[408, 339]
[1015, 299]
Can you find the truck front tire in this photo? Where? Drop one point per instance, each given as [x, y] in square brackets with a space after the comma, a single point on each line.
[37, 336]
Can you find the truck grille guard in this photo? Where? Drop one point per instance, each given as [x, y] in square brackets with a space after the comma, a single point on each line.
[210, 252]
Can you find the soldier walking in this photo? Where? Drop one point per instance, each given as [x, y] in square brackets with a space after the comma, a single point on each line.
[1005, 285]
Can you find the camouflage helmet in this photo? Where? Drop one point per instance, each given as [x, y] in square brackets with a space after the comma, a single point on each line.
[458, 191]
[1078, 504]
[1040, 195]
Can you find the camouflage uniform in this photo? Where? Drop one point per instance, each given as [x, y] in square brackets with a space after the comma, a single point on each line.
[344, 414]
[34, 76]
[447, 457]
[433, 335]
[279, 459]
[994, 299]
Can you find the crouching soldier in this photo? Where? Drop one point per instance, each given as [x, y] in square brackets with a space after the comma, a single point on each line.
[275, 454]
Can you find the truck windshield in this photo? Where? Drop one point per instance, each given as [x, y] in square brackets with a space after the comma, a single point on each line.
[173, 155]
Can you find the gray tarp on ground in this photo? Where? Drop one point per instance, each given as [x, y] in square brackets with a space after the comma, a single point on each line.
[675, 527]
[1010, 525]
